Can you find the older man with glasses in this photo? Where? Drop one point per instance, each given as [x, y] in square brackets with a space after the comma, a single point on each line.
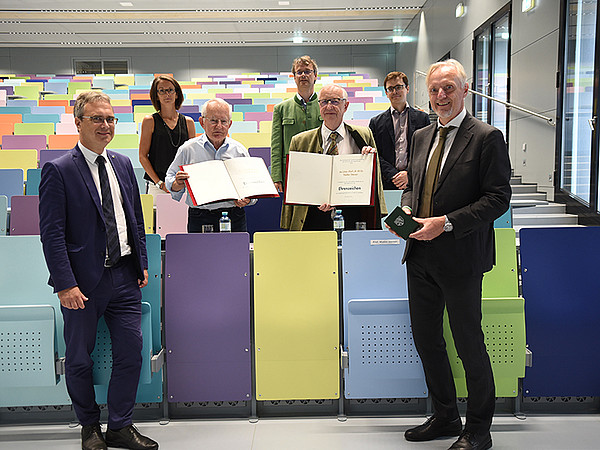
[393, 130]
[334, 137]
[213, 144]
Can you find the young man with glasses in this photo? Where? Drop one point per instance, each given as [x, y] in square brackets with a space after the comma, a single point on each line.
[94, 241]
[213, 144]
[294, 115]
[334, 137]
[393, 130]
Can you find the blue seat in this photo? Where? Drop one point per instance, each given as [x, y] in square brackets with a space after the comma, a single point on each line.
[382, 359]
[505, 220]
[32, 186]
[11, 182]
[3, 215]
[28, 346]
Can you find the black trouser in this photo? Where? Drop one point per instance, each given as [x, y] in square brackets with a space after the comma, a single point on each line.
[431, 289]
[198, 217]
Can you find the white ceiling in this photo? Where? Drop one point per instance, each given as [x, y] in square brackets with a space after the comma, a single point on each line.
[181, 23]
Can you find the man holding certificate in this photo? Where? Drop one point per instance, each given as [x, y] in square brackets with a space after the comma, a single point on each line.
[212, 145]
[334, 137]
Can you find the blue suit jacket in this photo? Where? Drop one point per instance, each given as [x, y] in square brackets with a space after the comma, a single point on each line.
[72, 227]
[382, 127]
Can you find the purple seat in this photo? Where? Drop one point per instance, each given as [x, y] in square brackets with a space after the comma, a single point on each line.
[189, 109]
[123, 109]
[25, 141]
[259, 116]
[49, 155]
[261, 152]
[207, 317]
[24, 215]
[228, 95]
[238, 101]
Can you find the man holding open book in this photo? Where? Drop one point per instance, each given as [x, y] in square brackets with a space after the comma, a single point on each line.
[334, 137]
[212, 145]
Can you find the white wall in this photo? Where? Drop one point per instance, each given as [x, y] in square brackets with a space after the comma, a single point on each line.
[534, 63]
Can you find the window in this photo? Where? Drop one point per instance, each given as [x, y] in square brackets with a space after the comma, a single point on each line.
[491, 44]
[100, 67]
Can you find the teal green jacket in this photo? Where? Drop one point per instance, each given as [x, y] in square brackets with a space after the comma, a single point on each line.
[289, 119]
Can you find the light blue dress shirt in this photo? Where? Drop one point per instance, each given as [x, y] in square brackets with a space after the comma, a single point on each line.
[197, 150]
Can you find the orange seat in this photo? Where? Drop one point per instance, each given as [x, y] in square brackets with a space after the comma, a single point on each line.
[62, 141]
[6, 128]
[140, 96]
[11, 118]
[270, 107]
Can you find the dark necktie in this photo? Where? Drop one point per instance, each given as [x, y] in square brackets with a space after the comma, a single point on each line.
[108, 209]
[432, 175]
[333, 148]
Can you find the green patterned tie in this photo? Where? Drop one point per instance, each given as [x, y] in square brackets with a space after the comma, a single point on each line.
[333, 148]
[432, 175]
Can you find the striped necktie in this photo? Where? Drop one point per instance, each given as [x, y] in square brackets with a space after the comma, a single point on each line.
[432, 175]
[108, 210]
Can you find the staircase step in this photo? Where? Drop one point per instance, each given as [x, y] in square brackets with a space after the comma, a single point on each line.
[529, 197]
[544, 219]
[544, 208]
[524, 188]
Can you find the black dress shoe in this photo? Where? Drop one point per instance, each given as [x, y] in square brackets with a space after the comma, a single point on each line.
[91, 437]
[434, 428]
[129, 437]
[473, 441]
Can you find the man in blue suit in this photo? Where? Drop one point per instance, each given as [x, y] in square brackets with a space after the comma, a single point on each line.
[92, 232]
[393, 130]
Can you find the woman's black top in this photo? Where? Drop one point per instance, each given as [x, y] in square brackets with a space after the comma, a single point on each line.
[164, 144]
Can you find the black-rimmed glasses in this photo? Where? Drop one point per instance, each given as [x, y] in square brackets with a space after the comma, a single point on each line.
[333, 101]
[397, 88]
[165, 91]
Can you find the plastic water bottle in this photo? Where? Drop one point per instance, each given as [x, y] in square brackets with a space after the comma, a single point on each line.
[225, 223]
[338, 224]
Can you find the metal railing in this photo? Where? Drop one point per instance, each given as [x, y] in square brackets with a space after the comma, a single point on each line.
[548, 120]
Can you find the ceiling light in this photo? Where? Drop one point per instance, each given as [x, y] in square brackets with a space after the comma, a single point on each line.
[461, 10]
[397, 39]
[527, 5]
[284, 3]
[298, 40]
[126, 3]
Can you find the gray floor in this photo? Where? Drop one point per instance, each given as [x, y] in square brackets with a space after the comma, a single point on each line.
[535, 432]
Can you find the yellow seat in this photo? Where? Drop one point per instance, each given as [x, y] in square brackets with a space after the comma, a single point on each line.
[148, 212]
[19, 159]
[34, 128]
[296, 310]
[253, 139]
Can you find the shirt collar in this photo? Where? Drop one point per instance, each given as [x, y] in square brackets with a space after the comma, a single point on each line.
[325, 132]
[403, 112]
[456, 121]
[209, 145]
[90, 155]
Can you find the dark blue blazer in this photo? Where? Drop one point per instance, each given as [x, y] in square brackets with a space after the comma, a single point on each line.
[72, 227]
[382, 127]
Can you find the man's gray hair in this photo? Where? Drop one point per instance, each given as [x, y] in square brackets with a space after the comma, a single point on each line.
[88, 97]
[461, 75]
[218, 100]
[329, 86]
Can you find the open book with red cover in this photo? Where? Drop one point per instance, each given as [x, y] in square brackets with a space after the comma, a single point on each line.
[340, 180]
[229, 179]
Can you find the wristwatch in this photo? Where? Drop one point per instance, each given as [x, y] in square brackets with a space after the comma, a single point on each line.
[448, 225]
[159, 184]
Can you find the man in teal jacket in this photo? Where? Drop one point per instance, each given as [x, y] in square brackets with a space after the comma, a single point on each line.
[294, 115]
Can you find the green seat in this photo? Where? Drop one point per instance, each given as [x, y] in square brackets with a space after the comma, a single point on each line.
[124, 141]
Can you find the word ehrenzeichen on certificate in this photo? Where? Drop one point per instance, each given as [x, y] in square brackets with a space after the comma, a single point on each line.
[228, 179]
[340, 180]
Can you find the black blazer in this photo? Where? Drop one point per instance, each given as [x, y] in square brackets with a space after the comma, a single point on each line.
[382, 127]
[473, 190]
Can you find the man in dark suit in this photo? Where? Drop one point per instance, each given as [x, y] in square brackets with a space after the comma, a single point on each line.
[92, 232]
[393, 130]
[458, 184]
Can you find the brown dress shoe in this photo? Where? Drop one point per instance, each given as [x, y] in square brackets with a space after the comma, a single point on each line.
[91, 437]
[434, 428]
[473, 441]
[129, 437]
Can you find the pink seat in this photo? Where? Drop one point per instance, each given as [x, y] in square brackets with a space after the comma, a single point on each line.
[171, 216]
[24, 215]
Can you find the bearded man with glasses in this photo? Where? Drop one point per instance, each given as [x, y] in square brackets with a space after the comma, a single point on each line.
[393, 130]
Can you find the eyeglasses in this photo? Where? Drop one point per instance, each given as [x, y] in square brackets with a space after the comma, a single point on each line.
[304, 72]
[447, 89]
[165, 91]
[99, 119]
[333, 101]
[215, 122]
[397, 88]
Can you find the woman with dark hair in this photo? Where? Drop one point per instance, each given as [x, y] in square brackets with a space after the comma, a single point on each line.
[163, 132]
